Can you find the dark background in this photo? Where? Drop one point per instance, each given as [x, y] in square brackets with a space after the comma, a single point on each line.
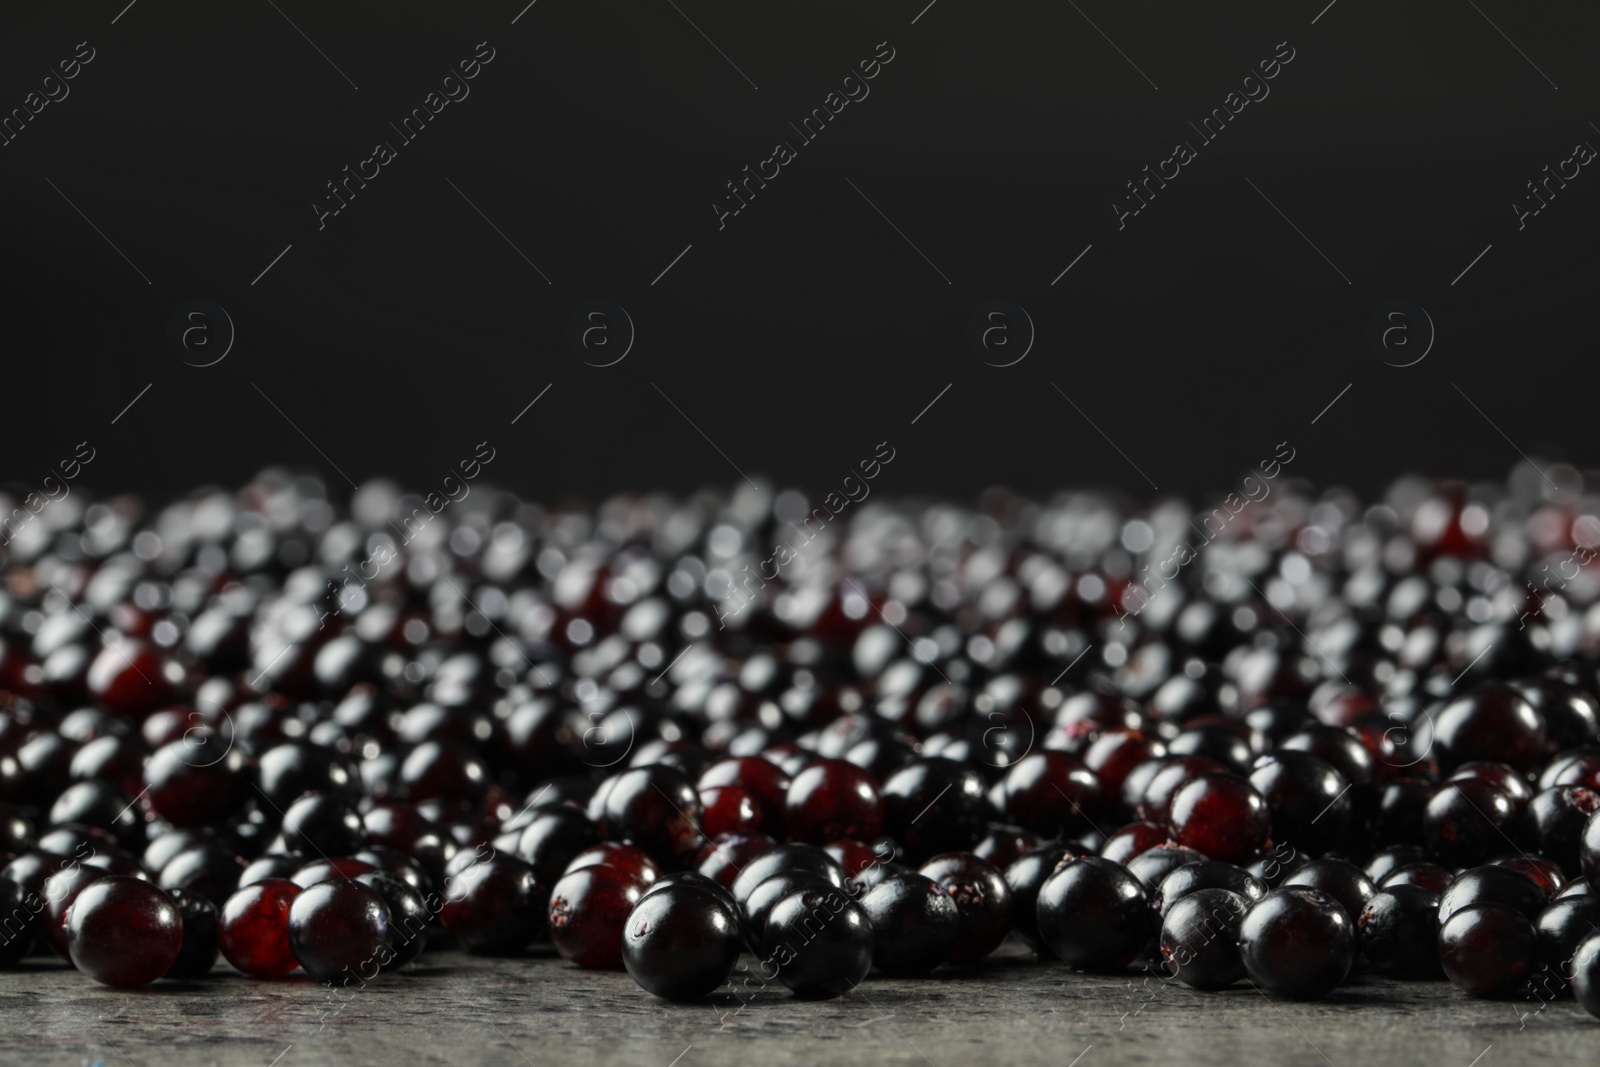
[808, 330]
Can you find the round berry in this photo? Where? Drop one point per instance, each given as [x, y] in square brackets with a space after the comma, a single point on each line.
[1297, 943]
[124, 932]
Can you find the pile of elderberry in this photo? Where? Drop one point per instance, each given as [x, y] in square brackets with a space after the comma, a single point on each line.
[1285, 743]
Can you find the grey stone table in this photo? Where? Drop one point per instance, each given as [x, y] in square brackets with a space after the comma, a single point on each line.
[450, 1008]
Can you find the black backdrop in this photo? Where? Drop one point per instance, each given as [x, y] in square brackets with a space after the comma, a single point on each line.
[824, 317]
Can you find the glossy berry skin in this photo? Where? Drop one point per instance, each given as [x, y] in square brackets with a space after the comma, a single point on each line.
[588, 913]
[495, 907]
[1154, 802]
[820, 941]
[1297, 943]
[1335, 746]
[200, 921]
[1469, 820]
[1562, 927]
[982, 898]
[935, 805]
[915, 924]
[1200, 938]
[408, 916]
[209, 868]
[656, 808]
[629, 858]
[320, 870]
[691, 880]
[1308, 800]
[128, 678]
[1152, 866]
[1094, 915]
[123, 932]
[681, 942]
[1132, 841]
[553, 838]
[762, 779]
[786, 858]
[1494, 722]
[1026, 876]
[271, 865]
[1492, 885]
[1346, 883]
[1544, 874]
[191, 786]
[339, 931]
[1488, 950]
[1206, 874]
[729, 810]
[1586, 975]
[1430, 876]
[1386, 861]
[254, 930]
[1051, 792]
[858, 860]
[1398, 932]
[723, 859]
[1220, 815]
[60, 890]
[1273, 866]
[833, 799]
[321, 825]
[764, 897]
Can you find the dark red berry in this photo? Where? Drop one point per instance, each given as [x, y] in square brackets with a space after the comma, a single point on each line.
[1307, 799]
[1398, 931]
[982, 899]
[200, 929]
[915, 924]
[188, 785]
[820, 941]
[1488, 950]
[681, 942]
[656, 808]
[322, 825]
[495, 906]
[409, 916]
[1297, 943]
[1347, 884]
[124, 932]
[1206, 874]
[1220, 815]
[1051, 792]
[60, 890]
[254, 930]
[339, 931]
[1492, 885]
[1494, 722]
[1469, 820]
[589, 908]
[1200, 938]
[1025, 876]
[1094, 915]
[833, 799]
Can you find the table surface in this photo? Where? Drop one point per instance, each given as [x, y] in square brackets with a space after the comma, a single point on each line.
[451, 1008]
